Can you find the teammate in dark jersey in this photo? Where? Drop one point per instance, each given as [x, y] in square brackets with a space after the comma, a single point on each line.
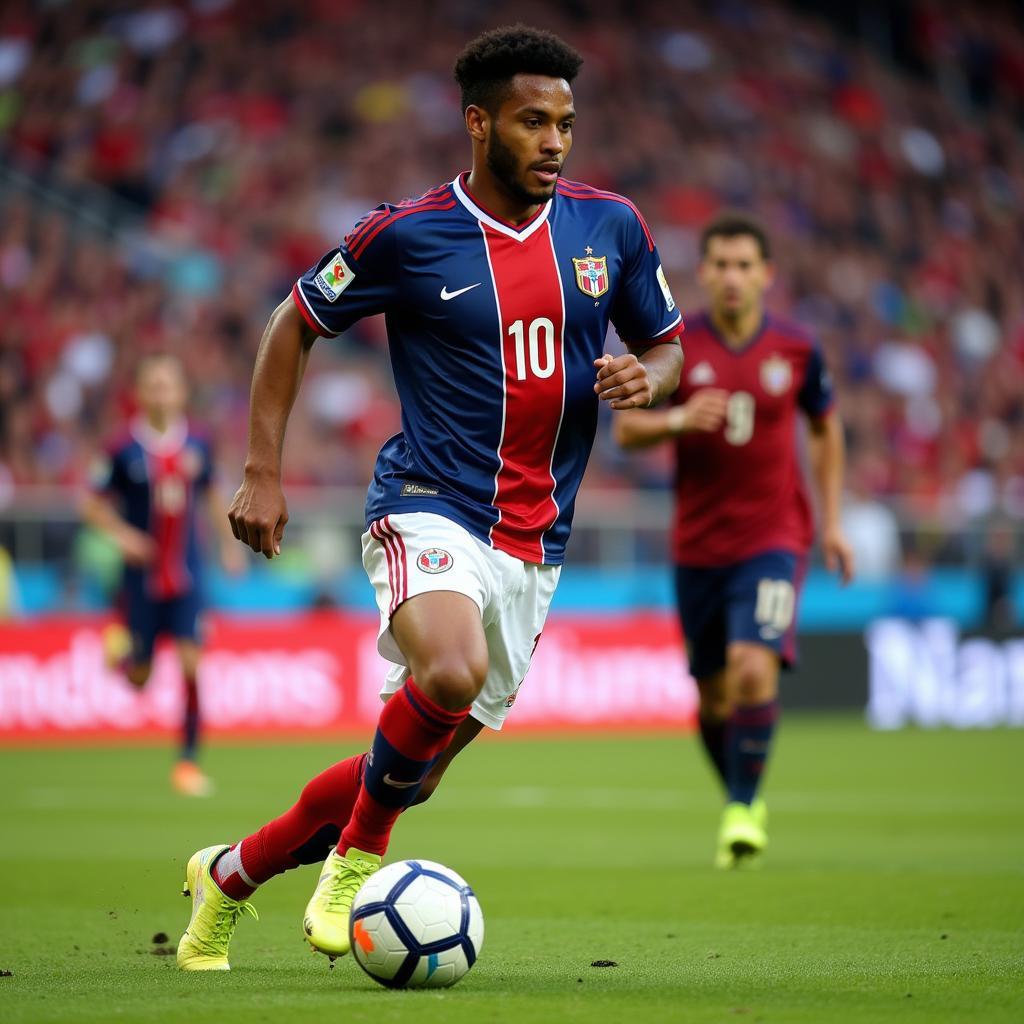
[498, 289]
[743, 524]
[146, 496]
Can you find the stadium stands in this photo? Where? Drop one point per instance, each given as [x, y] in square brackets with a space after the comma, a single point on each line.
[232, 143]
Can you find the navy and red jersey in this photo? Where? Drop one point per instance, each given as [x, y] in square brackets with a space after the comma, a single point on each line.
[493, 330]
[154, 480]
[740, 490]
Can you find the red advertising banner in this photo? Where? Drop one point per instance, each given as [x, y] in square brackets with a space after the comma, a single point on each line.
[320, 672]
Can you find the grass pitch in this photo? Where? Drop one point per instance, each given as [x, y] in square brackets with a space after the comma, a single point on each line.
[894, 888]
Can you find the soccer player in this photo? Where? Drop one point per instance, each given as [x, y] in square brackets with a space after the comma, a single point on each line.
[743, 524]
[498, 288]
[145, 498]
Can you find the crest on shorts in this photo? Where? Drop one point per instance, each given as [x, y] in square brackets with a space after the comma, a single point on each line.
[434, 560]
[776, 375]
[591, 274]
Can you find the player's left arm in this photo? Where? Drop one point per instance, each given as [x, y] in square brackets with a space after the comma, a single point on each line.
[827, 462]
[828, 458]
[643, 309]
[641, 378]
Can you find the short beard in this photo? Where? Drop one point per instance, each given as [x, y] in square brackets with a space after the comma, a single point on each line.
[501, 162]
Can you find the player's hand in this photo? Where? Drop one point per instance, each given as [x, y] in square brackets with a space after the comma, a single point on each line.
[137, 548]
[838, 553]
[622, 382]
[706, 410]
[258, 513]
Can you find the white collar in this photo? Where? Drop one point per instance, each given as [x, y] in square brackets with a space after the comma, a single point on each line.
[492, 222]
[156, 443]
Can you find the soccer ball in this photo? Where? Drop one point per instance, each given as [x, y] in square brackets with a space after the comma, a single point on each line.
[416, 924]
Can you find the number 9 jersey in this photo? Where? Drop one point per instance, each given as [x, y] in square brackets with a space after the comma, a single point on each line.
[740, 490]
[493, 329]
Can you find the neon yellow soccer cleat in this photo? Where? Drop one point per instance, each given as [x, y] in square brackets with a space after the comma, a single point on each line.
[742, 837]
[117, 645]
[204, 946]
[326, 921]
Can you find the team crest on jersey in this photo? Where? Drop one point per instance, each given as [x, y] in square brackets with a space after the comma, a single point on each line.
[434, 560]
[191, 464]
[334, 278]
[702, 373]
[591, 274]
[776, 375]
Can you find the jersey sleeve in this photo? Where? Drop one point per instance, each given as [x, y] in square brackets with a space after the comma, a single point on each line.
[107, 474]
[644, 310]
[816, 395]
[207, 470]
[355, 280]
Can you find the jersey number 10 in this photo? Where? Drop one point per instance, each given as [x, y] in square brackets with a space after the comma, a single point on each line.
[541, 333]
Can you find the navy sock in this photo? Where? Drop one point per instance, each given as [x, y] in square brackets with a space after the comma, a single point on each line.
[190, 726]
[712, 734]
[748, 741]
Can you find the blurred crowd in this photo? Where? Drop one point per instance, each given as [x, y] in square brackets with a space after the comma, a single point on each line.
[243, 139]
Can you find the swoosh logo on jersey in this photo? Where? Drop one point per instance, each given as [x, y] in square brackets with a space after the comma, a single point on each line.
[388, 781]
[446, 295]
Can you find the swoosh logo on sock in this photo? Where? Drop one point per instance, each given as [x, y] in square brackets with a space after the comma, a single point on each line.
[396, 784]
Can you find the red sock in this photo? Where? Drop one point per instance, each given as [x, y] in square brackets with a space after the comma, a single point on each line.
[412, 731]
[304, 834]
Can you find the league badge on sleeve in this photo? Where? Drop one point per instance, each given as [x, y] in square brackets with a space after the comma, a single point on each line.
[670, 303]
[591, 274]
[776, 375]
[334, 278]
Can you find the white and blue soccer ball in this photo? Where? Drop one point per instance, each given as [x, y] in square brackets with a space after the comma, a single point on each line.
[416, 924]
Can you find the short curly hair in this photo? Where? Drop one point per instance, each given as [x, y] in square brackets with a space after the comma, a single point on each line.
[487, 65]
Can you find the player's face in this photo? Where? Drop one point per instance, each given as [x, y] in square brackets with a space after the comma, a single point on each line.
[734, 274]
[530, 137]
[161, 390]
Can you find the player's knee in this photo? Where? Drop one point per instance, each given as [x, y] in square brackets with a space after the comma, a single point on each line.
[716, 703]
[715, 707]
[754, 675]
[452, 680]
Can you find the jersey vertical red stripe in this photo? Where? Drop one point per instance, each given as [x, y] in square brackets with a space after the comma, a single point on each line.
[530, 309]
[170, 499]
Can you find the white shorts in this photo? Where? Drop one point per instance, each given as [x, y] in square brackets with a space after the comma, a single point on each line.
[417, 552]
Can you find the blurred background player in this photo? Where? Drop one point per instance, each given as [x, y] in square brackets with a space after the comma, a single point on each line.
[499, 288]
[145, 498]
[743, 524]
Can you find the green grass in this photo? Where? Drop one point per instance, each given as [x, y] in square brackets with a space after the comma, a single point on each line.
[894, 889]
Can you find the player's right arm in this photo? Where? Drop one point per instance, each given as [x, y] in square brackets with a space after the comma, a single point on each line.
[357, 279]
[703, 412]
[258, 512]
[136, 547]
